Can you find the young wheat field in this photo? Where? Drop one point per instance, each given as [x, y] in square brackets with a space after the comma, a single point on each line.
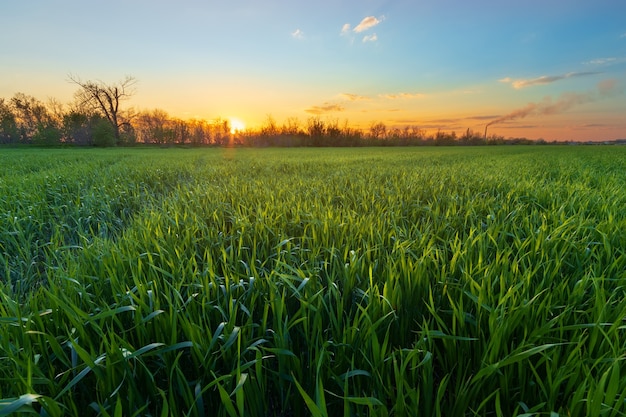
[486, 281]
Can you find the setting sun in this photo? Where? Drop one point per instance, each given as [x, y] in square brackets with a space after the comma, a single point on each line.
[236, 125]
[550, 70]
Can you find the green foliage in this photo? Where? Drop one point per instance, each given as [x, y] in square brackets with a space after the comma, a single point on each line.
[104, 134]
[383, 282]
[9, 132]
[78, 128]
[128, 136]
[47, 135]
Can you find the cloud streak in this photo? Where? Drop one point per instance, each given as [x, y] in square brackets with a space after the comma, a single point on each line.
[601, 61]
[606, 61]
[353, 97]
[325, 108]
[544, 79]
[402, 96]
[488, 117]
[566, 101]
[297, 34]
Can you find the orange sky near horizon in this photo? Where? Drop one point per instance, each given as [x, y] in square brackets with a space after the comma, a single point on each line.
[448, 111]
[538, 70]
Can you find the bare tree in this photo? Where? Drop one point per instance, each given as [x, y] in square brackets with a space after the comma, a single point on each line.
[291, 127]
[105, 99]
[316, 129]
[378, 130]
[269, 128]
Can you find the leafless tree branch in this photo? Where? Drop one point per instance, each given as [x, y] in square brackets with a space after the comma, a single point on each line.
[105, 98]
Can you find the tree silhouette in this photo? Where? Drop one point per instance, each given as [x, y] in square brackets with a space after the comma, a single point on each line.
[106, 98]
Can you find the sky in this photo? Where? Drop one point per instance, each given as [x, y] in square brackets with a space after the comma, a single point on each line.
[552, 69]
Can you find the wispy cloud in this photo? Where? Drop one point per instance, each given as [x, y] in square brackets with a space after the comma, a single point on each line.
[370, 38]
[607, 61]
[297, 34]
[396, 96]
[591, 125]
[486, 117]
[367, 23]
[353, 97]
[609, 86]
[458, 121]
[566, 101]
[516, 127]
[623, 35]
[325, 108]
[406, 121]
[444, 121]
[602, 61]
[544, 79]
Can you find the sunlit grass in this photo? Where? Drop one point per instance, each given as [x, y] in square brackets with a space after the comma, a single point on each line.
[313, 282]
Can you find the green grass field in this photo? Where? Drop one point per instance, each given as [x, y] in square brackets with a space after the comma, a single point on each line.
[288, 282]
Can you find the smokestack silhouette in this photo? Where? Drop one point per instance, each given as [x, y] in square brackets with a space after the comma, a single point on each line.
[565, 102]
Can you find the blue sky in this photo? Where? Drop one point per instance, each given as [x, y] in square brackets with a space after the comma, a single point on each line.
[448, 64]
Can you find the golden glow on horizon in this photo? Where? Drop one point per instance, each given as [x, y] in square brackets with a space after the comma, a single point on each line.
[236, 125]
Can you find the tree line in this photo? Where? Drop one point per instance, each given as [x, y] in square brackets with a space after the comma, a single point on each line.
[97, 117]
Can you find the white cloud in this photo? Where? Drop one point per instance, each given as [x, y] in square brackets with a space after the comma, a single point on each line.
[606, 61]
[370, 38]
[367, 23]
[297, 34]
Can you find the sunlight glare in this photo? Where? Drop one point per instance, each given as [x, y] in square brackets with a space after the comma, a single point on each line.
[236, 125]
